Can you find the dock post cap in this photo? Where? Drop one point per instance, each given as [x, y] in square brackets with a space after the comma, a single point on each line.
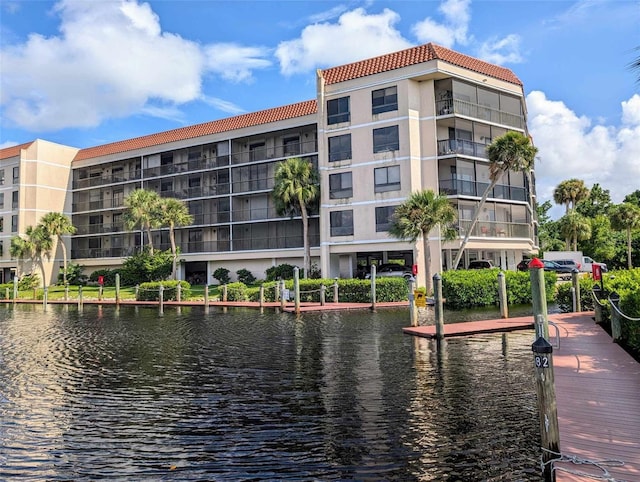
[541, 346]
[536, 263]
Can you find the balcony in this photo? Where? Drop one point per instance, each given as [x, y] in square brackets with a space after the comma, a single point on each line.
[496, 229]
[477, 111]
[244, 155]
[81, 206]
[448, 147]
[281, 242]
[452, 187]
[99, 228]
[90, 253]
[93, 181]
[255, 214]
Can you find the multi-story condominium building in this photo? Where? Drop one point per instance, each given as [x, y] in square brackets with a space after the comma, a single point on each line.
[379, 129]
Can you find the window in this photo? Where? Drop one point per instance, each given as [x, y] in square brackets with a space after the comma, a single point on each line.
[14, 224]
[117, 222]
[1, 200]
[386, 139]
[291, 146]
[14, 200]
[338, 110]
[383, 217]
[118, 197]
[340, 148]
[117, 174]
[166, 186]
[384, 100]
[166, 158]
[1, 248]
[341, 223]
[1, 176]
[340, 185]
[387, 178]
[1, 224]
[16, 175]
[257, 151]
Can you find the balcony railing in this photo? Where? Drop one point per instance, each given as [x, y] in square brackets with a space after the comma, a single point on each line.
[98, 204]
[99, 228]
[454, 187]
[254, 214]
[106, 179]
[79, 253]
[274, 152]
[281, 242]
[477, 111]
[254, 184]
[200, 164]
[496, 229]
[459, 146]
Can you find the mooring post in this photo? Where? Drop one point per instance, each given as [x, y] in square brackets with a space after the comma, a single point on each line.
[80, 296]
[547, 408]
[282, 300]
[502, 295]
[66, 291]
[373, 287]
[413, 309]
[323, 288]
[15, 289]
[335, 291]
[438, 306]
[616, 328]
[45, 295]
[100, 293]
[117, 289]
[261, 297]
[539, 298]
[206, 298]
[178, 292]
[6, 293]
[575, 281]
[597, 307]
[296, 289]
[224, 293]
[161, 300]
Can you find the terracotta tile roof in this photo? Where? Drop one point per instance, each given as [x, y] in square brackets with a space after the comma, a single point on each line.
[412, 56]
[13, 151]
[291, 111]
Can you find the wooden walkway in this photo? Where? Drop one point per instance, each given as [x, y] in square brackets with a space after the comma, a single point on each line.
[598, 395]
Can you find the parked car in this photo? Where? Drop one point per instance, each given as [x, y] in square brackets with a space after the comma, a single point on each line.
[392, 270]
[563, 272]
[523, 265]
[568, 262]
[481, 264]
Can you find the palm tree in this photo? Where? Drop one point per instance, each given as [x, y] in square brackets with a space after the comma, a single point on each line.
[417, 216]
[295, 189]
[174, 213]
[57, 224]
[20, 250]
[143, 209]
[39, 244]
[626, 217]
[574, 227]
[570, 193]
[512, 151]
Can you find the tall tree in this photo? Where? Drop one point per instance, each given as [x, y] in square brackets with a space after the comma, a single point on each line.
[57, 224]
[512, 151]
[174, 213]
[574, 227]
[39, 243]
[626, 217]
[597, 202]
[633, 198]
[417, 216]
[143, 210]
[295, 190]
[20, 250]
[569, 193]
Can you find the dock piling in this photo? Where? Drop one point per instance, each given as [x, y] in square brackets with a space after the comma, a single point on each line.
[438, 306]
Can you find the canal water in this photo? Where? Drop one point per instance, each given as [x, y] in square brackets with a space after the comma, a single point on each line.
[242, 395]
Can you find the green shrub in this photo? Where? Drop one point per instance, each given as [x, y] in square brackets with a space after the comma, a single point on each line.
[75, 276]
[630, 306]
[282, 271]
[150, 291]
[479, 287]
[245, 276]
[564, 296]
[143, 267]
[237, 292]
[109, 276]
[222, 275]
[28, 282]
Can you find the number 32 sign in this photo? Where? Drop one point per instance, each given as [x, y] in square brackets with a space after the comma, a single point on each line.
[541, 361]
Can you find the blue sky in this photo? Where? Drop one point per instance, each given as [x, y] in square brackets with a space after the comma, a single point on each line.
[83, 73]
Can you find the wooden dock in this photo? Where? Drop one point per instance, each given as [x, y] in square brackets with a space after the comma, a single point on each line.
[598, 395]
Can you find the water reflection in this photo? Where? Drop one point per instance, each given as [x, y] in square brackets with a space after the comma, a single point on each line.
[242, 395]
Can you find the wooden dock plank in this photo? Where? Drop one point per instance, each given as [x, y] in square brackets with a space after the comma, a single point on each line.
[598, 394]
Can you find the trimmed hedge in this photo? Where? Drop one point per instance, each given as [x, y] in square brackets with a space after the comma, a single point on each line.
[151, 291]
[564, 297]
[479, 287]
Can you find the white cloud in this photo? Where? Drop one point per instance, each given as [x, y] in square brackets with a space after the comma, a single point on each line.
[111, 59]
[453, 30]
[355, 36]
[572, 146]
[501, 51]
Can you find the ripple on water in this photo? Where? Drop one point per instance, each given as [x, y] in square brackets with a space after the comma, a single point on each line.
[241, 395]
